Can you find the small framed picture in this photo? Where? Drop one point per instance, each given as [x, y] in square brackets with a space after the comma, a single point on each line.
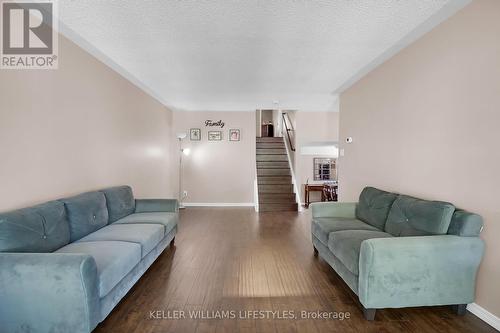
[234, 134]
[195, 134]
[214, 135]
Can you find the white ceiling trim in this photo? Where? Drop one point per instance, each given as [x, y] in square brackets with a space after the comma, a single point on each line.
[81, 42]
[96, 53]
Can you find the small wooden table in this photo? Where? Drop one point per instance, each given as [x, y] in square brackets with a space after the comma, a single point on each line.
[308, 188]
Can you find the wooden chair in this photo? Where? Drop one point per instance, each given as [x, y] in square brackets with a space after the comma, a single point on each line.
[329, 193]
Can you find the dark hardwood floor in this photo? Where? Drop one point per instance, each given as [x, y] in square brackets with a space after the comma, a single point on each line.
[233, 259]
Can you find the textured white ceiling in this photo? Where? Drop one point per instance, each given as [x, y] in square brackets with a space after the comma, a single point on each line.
[244, 55]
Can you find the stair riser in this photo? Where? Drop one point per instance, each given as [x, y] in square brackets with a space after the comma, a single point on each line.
[272, 165]
[274, 180]
[278, 197]
[277, 179]
[267, 139]
[277, 200]
[277, 207]
[272, 158]
[271, 151]
[267, 145]
[273, 172]
[275, 189]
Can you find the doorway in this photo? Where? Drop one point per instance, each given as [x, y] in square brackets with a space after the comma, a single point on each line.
[268, 123]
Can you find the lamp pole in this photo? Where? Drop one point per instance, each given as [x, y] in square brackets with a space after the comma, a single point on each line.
[180, 174]
[180, 136]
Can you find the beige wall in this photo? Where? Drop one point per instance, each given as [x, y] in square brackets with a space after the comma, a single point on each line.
[79, 128]
[312, 127]
[426, 123]
[219, 171]
[258, 123]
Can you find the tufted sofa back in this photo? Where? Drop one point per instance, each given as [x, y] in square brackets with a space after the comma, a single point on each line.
[120, 202]
[87, 212]
[374, 206]
[52, 225]
[402, 215]
[42, 228]
[416, 217]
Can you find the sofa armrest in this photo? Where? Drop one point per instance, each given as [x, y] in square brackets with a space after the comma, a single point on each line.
[48, 292]
[156, 205]
[334, 209]
[418, 271]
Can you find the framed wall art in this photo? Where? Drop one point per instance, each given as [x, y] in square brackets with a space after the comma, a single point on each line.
[195, 134]
[214, 135]
[234, 134]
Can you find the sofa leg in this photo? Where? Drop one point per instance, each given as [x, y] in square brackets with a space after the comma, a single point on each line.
[315, 251]
[369, 314]
[172, 242]
[459, 309]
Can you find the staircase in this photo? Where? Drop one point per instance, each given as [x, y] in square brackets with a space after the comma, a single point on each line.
[274, 178]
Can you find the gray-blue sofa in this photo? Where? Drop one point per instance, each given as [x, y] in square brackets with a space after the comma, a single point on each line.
[65, 264]
[397, 251]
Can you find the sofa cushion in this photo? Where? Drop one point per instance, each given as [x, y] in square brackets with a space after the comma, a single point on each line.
[374, 205]
[322, 226]
[42, 228]
[87, 213]
[114, 260]
[345, 245]
[465, 224]
[147, 235]
[120, 201]
[156, 205]
[415, 217]
[169, 220]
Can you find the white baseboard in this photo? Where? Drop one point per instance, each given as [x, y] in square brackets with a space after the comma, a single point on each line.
[219, 204]
[484, 315]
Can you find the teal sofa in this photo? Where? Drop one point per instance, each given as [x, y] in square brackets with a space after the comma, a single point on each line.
[65, 264]
[397, 251]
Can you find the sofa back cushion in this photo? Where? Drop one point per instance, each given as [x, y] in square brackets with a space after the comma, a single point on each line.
[42, 228]
[120, 201]
[374, 205]
[87, 213]
[415, 217]
[465, 224]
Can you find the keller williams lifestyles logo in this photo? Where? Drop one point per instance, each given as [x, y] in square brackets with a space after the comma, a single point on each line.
[29, 35]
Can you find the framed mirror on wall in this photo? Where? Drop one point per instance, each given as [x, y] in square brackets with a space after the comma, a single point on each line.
[325, 169]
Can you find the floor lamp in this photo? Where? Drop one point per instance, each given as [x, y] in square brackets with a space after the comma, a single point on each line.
[182, 152]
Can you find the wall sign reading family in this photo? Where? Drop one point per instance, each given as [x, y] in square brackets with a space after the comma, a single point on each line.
[213, 123]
